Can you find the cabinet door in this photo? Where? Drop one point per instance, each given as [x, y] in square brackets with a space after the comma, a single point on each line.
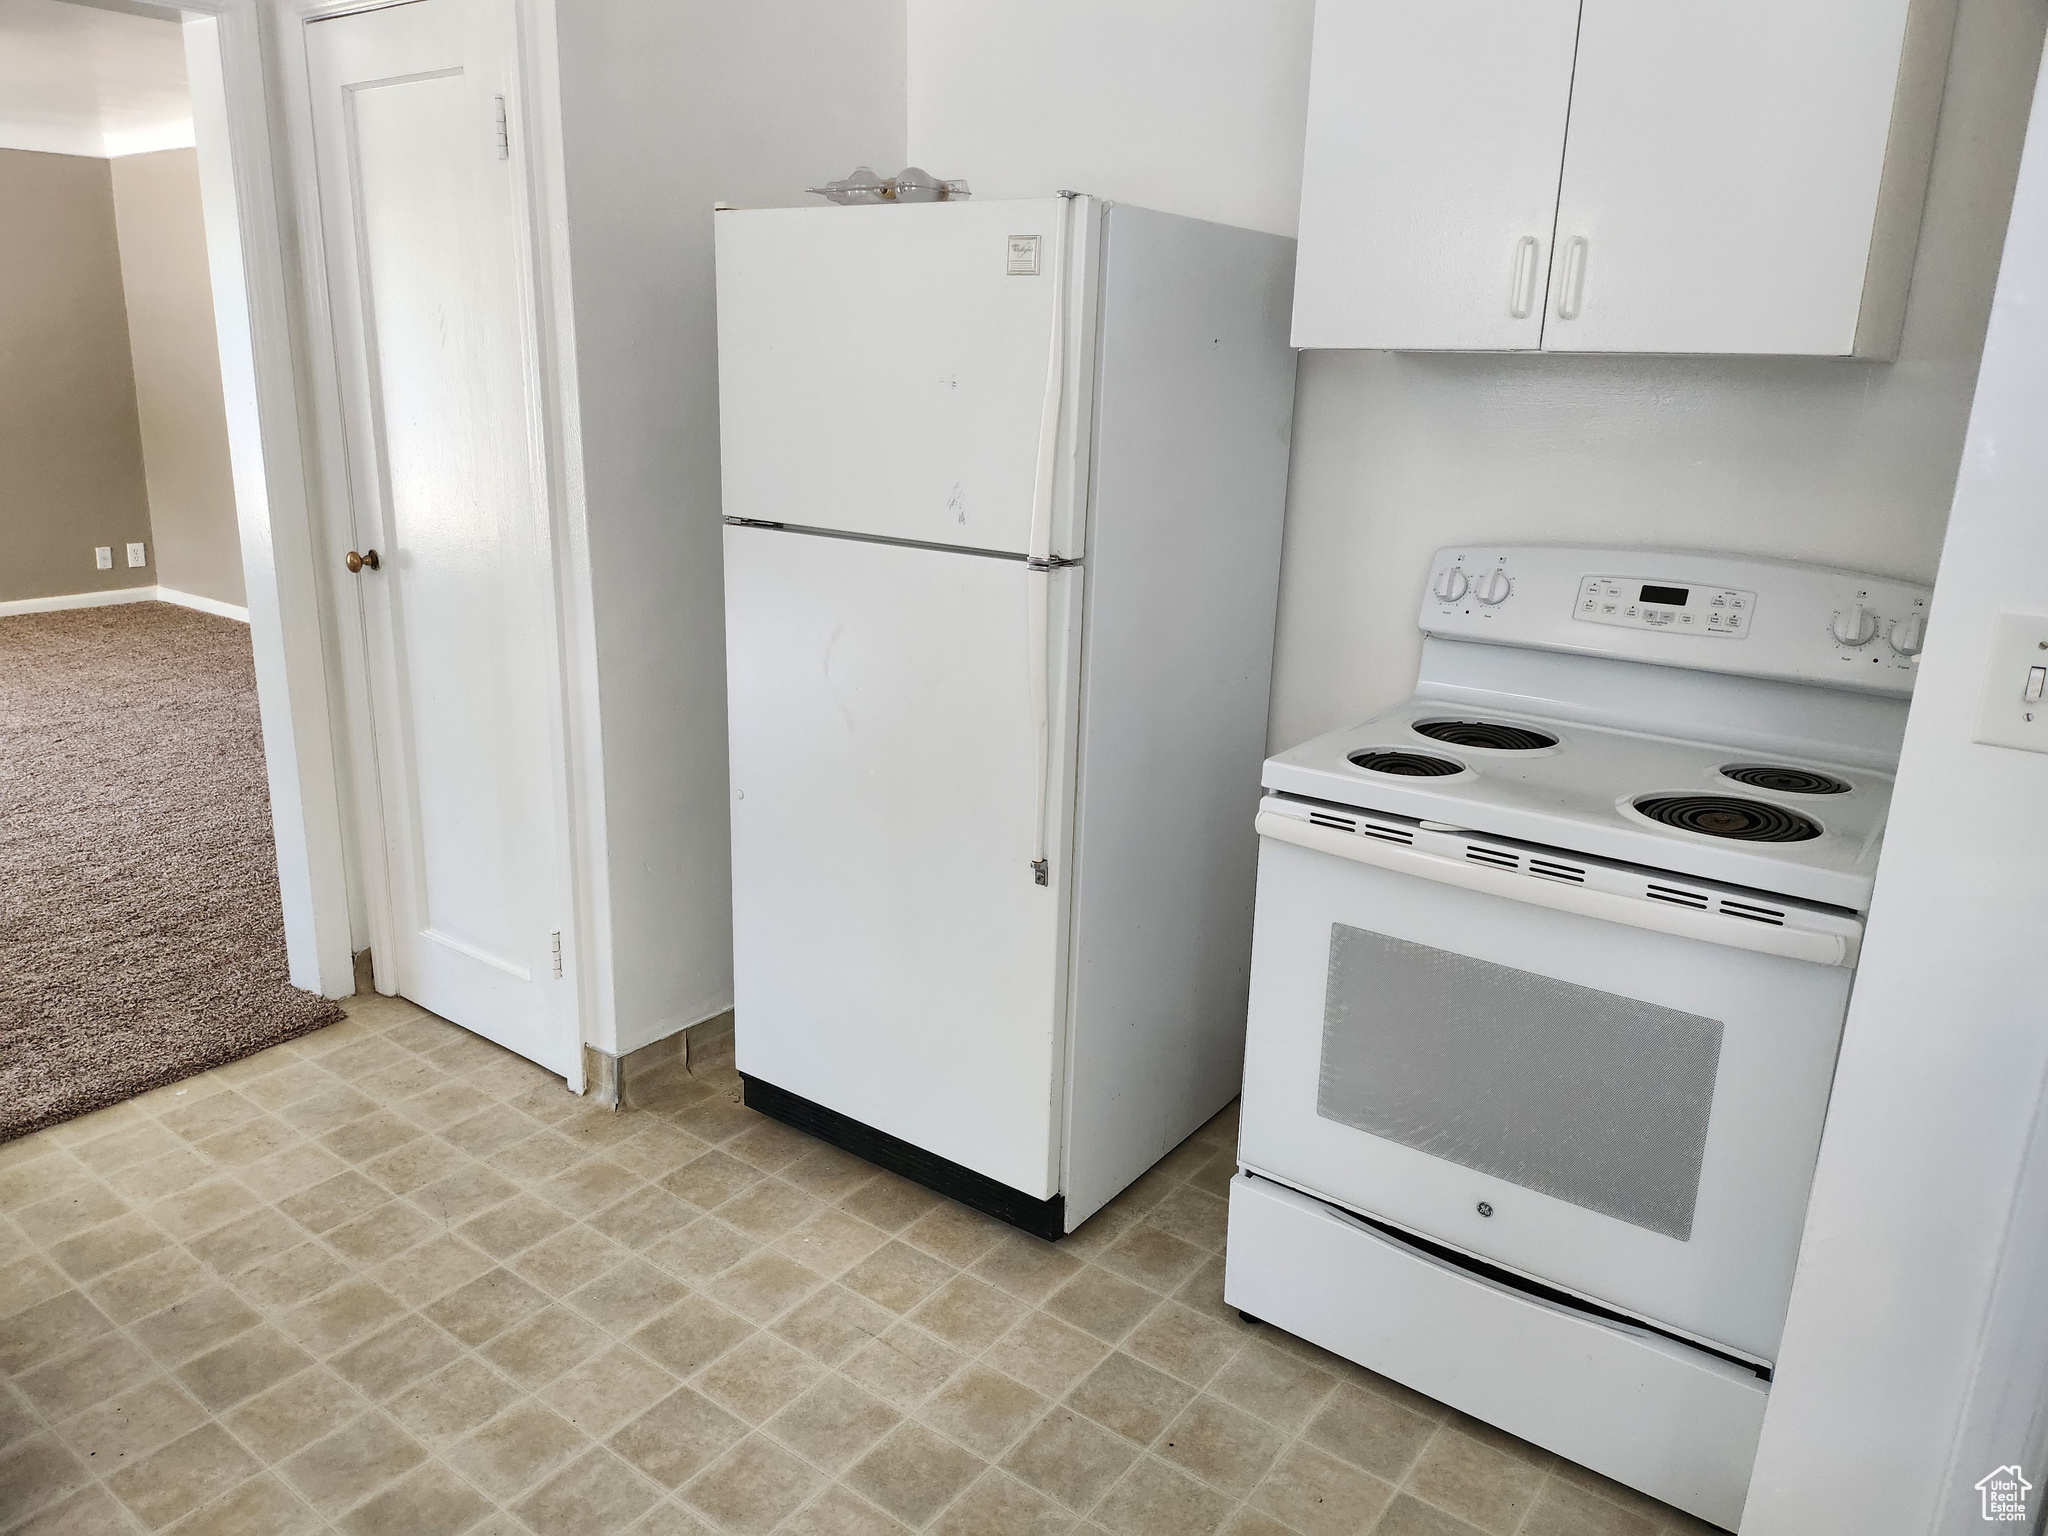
[1721, 185]
[1429, 189]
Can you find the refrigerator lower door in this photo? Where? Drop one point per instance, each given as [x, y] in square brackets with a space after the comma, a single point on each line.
[894, 958]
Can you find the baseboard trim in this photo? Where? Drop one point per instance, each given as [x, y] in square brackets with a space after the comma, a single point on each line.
[212, 605]
[117, 595]
[1041, 1218]
[77, 600]
[640, 1037]
[611, 1080]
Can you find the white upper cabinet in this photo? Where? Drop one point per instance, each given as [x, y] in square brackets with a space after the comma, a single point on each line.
[1724, 175]
[1738, 177]
[1436, 131]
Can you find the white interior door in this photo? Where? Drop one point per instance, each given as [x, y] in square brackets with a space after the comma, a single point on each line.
[894, 958]
[1721, 186]
[883, 370]
[1429, 188]
[423, 228]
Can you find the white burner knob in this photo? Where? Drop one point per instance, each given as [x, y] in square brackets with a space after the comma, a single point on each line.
[1855, 626]
[1452, 585]
[1492, 588]
[1908, 634]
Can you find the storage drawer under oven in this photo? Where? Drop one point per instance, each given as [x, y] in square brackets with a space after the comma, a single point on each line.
[1626, 1113]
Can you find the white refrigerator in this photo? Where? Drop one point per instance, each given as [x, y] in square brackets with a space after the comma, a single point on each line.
[1003, 485]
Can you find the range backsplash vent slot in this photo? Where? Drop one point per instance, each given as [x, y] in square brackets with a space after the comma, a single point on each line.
[1678, 898]
[1754, 914]
[1510, 861]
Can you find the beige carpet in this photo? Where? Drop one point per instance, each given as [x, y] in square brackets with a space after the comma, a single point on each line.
[141, 937]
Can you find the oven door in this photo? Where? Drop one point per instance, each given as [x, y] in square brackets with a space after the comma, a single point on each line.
[1627, 1114]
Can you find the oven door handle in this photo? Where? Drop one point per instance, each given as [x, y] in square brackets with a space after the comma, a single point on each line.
[1712, 927]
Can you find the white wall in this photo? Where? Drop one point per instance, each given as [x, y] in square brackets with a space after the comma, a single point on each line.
[667, 107]
[1191, 106]
[1197, 108]
[1921, 1301]
[178, 399]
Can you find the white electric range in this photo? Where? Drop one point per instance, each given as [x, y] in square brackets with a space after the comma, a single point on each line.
[1549, 972]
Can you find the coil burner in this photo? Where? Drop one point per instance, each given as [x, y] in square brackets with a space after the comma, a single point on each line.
[1786, 781]
[1493, 735]
[1746, 821]
[1406, 765]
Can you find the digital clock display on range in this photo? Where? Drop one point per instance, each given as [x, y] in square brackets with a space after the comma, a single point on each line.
[1666, 597]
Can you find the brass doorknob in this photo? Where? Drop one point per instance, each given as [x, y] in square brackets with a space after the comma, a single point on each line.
[356, 562]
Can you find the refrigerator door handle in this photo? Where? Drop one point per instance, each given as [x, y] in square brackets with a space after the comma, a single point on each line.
[1038, 597]
[1039, 566]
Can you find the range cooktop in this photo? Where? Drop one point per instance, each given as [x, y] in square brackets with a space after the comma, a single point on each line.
[1801, 828]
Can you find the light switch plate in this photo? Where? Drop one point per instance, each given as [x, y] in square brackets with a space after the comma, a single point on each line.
[2007, 717]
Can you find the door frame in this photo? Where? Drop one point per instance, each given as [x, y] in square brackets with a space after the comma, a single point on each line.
[252, 118]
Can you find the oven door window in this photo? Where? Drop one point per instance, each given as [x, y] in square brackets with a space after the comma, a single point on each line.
[1576, 1093]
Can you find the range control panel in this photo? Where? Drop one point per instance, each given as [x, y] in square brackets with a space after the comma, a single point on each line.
[1638, 602]
[1804, 623]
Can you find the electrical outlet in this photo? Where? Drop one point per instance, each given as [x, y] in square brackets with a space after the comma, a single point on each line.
[136, 556]
[2013, 711]
[103, 557]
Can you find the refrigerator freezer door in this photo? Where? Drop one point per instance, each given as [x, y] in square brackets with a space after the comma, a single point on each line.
[894, 959]
[882, 371]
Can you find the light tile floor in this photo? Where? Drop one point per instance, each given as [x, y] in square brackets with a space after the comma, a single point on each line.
[391, 1279]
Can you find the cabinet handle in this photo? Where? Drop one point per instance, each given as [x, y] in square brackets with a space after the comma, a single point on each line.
[1522, 296]
[1573, 290]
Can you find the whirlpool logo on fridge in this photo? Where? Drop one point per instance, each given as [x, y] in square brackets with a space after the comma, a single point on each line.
[2004, 1492]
